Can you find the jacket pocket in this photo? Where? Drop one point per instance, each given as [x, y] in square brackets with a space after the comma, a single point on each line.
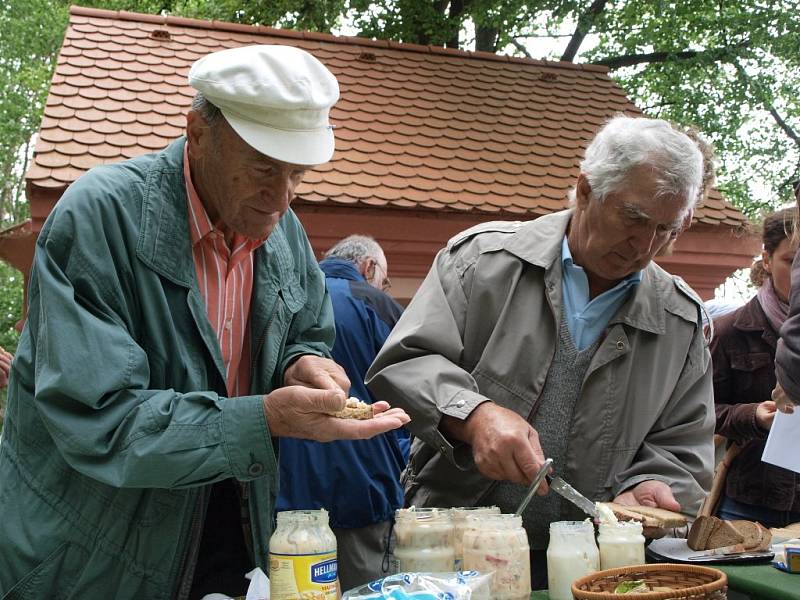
[50, 579]
[751, 361]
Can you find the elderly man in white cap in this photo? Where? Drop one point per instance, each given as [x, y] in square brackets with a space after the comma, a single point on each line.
[178, 324]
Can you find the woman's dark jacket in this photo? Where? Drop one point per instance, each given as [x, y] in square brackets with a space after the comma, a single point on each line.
[743, 355]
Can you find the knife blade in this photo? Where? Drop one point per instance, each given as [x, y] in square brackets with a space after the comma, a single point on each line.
[712, 556]
[565, 490]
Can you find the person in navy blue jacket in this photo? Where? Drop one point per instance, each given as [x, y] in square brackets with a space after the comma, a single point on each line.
[358, 482]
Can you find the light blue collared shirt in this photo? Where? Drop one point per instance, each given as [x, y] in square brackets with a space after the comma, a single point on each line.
[587, 320]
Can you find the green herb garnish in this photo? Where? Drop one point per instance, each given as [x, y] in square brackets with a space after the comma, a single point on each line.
[631, 587]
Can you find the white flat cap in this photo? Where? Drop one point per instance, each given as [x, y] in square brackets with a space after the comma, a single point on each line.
[277, 98]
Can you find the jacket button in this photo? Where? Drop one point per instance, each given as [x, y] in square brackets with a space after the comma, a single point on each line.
[443, 449]
[255, 469]
[620, 345]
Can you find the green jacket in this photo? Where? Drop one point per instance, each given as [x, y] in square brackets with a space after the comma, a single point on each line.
[117, 422]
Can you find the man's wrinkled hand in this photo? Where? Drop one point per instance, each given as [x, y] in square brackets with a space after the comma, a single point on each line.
[650, 493]
[317, 372]
[504, 445]
[303, 412]
[782, 401]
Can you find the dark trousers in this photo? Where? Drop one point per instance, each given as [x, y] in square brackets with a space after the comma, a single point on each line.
[538, 569]
[731, 510]
[223, 558]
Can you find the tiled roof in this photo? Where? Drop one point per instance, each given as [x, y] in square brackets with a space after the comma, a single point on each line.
[417, 127]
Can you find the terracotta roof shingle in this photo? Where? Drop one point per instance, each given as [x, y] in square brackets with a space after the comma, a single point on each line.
[416, 126]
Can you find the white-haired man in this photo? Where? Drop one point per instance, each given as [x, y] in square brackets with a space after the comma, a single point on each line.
[560, 337]
[178, 323]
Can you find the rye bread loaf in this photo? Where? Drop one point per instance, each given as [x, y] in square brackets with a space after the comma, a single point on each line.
[766, 539]
[751, 531]
[723, 534]
[712, 533]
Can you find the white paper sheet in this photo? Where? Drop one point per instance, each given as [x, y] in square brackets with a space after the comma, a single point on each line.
[782, 443]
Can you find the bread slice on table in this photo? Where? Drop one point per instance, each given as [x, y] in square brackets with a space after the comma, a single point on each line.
[708, 533]
[354, 409]
[751, 531]
[700, 531]
[648, 516]
[724, 534]
[766, 539]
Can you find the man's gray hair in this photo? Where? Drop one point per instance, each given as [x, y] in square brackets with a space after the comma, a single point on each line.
[355, 248]
[210, 112]
[625, 143]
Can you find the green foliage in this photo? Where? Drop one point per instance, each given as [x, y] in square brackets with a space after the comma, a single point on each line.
[31, 32]
[10, 312]
[732, 69]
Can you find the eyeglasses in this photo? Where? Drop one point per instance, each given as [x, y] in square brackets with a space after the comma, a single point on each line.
[386, 284]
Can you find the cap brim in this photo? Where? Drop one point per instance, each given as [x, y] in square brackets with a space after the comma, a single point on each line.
[313, 147]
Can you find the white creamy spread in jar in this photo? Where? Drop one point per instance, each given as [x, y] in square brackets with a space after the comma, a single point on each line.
[621, 544]
[571, 554]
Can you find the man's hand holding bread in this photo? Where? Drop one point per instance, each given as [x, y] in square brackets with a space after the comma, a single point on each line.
[315, 389]
[651, 493]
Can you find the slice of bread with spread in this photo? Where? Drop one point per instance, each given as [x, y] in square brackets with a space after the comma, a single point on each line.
[354, 409]
[648, 516]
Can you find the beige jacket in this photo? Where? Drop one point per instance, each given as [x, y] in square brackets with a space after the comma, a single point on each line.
[483, 326]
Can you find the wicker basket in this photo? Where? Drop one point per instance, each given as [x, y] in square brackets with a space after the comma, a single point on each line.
[687, 582]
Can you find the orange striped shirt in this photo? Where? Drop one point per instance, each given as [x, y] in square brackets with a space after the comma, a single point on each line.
[225, 277]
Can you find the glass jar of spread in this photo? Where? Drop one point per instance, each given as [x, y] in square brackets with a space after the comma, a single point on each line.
[621, 544]
[302, 557]
[423, 540]
[571, 554]
[463, 518]
[499, 543]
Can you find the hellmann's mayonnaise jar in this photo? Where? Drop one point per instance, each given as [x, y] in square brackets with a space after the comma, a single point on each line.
[302, 557]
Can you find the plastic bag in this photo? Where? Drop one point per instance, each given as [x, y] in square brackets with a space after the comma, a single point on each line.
[461, 585]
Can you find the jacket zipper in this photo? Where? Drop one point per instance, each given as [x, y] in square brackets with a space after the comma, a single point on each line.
[193, 545]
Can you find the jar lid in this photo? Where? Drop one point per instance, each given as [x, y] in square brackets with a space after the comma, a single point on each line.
[303, 516]
[571, 527]
[423, 514]
[466, 512]
[624, 527]
[494, 521]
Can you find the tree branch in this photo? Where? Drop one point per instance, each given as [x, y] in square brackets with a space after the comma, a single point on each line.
[660, 57]
[762, 98]
[585, 23]
[520, 47]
